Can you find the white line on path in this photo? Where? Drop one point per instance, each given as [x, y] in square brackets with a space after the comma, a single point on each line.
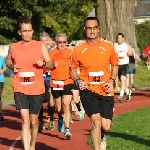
[14, 143]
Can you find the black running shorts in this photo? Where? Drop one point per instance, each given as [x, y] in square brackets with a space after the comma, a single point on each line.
[31, 102]
[59, 93]
[94, 103]
[123, 70]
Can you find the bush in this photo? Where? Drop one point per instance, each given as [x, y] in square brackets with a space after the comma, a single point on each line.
[143, 35]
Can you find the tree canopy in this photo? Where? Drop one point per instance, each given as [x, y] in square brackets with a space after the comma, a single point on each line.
[52, 16]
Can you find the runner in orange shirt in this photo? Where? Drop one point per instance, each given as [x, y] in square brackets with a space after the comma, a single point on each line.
[61, 83]
[27, 58]
[94, 57]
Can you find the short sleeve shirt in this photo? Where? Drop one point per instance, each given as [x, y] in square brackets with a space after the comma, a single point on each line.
[94, 62]
[2, 64]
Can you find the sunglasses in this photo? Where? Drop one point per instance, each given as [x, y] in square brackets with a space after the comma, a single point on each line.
[91, 28]
[60, 42]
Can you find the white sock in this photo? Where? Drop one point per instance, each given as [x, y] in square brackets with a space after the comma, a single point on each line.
[127, 91]
[121, 93]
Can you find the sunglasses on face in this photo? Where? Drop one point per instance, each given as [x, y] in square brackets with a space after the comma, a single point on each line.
[60, 42]
[91, 28]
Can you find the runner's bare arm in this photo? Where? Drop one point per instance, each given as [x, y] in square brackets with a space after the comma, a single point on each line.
[114, 72]
[9, 61]
[73, 67]
[130, 52]
[74, 74]
[48, 63]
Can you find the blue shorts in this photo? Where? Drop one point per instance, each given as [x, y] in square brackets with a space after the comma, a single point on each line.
[47, 83]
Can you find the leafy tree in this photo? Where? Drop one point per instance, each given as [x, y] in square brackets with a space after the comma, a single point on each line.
[52, 16]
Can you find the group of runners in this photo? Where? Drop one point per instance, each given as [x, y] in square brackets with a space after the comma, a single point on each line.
[64, 75]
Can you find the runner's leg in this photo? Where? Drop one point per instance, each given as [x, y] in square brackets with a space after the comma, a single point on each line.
[96, 130]
[35, 105]
[25, 132]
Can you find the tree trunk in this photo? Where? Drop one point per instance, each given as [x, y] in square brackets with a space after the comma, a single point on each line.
[117, 16]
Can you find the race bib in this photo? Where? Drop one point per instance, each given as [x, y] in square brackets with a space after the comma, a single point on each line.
[27, 78]
[58, 85]
[96, 77]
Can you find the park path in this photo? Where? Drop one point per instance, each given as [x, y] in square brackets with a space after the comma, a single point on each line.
[53, 140]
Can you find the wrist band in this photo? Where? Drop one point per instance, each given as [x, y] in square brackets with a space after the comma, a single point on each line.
[112, 79]
[78, 81]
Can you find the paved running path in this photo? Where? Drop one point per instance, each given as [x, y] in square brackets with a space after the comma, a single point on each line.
[53, 140]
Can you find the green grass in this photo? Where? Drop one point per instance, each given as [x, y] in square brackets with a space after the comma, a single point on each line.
[130, 131]
[142, 76]
[7, 94]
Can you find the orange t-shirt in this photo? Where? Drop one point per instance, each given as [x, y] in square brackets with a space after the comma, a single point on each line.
[94, 62]
[29, 79]
[61, 73]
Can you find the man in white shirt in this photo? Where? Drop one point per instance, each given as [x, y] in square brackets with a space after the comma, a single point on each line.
[124, 51]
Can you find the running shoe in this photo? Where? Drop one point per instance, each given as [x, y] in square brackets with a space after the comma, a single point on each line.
[41, 126]
[80, 115]
[128, 97]
[71, 121]
[120, 99]
[51, 125]
[61, 125]
[67, 134]
[103, 143]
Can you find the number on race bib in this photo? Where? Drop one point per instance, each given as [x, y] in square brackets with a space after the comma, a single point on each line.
[58, 85]
[121, 57]
[96, 77]
[27, 78]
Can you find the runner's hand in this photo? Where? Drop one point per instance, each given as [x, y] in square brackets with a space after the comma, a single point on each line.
[109, 86]
[39, 63]
[83, 85]
[16, 68]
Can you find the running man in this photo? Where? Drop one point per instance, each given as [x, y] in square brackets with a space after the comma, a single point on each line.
[124, 51]
[96, 78]
[47, 41]
[2, 70]
[27, 58]
[61, 83]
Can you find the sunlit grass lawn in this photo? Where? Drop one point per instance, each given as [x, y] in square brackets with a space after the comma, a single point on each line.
[130, 131]
[7, 94]
[142, 76]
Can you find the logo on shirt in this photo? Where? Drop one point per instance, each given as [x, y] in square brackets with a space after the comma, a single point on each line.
[84, 50]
